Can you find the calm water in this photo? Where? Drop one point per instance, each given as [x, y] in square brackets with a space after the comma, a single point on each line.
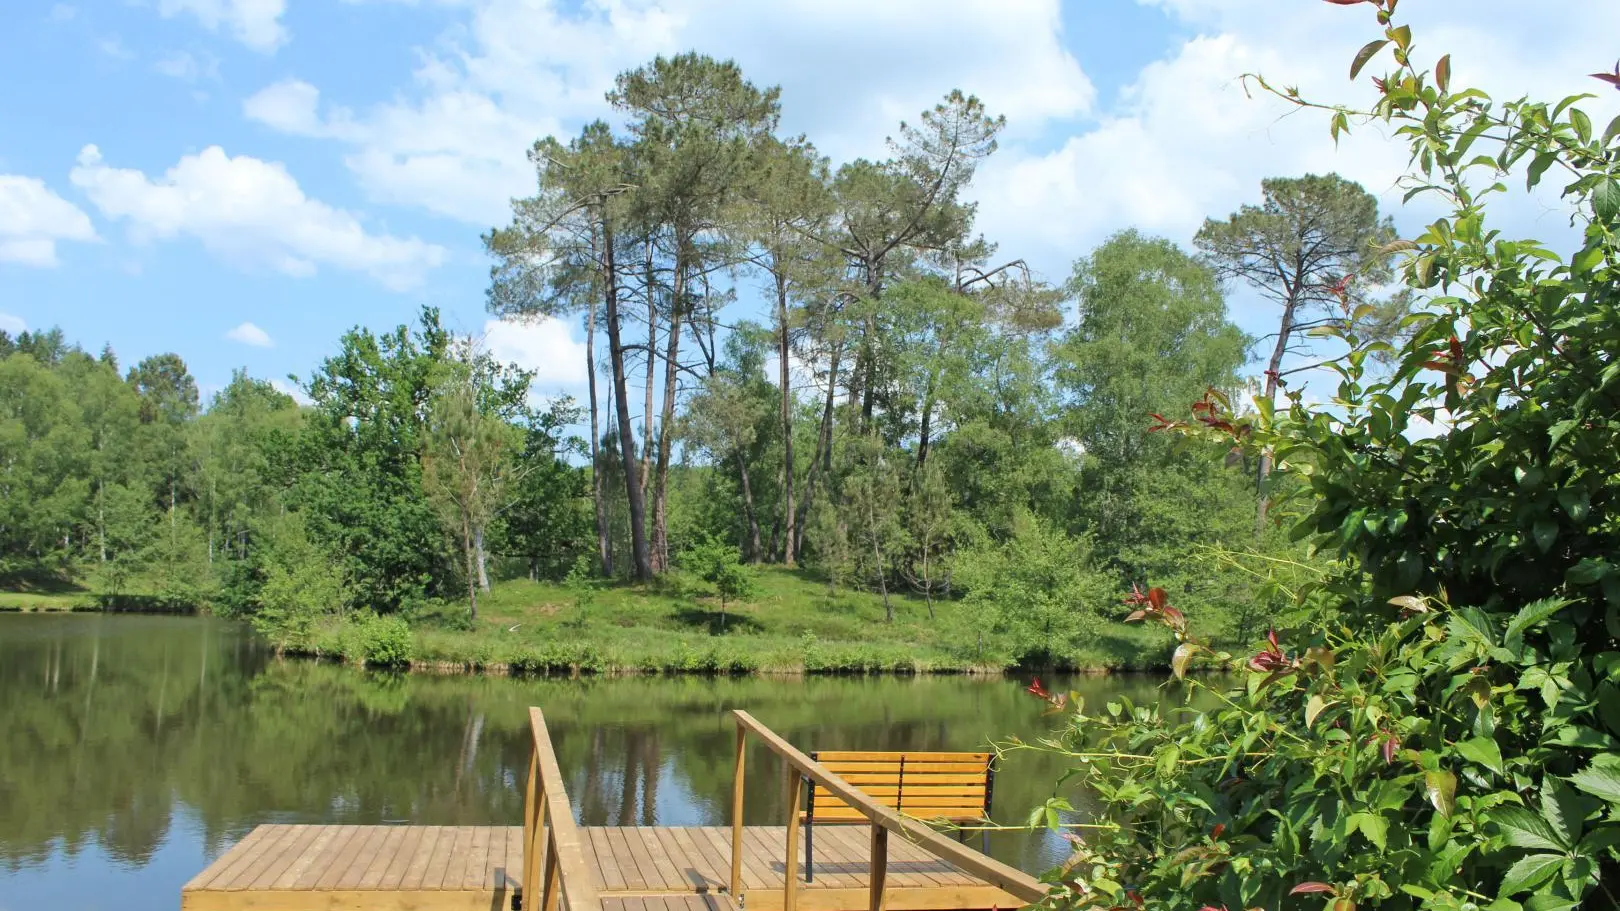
[135, 750]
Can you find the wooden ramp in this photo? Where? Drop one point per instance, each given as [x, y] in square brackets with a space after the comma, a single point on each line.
[436, 868]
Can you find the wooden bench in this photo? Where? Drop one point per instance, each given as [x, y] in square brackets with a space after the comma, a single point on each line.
[931, 787]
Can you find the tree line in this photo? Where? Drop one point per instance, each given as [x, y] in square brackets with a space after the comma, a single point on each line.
[914, 412]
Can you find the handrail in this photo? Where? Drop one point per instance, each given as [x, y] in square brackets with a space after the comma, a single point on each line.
[1016, 882]
[545, 809]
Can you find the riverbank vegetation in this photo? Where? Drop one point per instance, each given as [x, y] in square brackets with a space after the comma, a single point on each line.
[1443, 734]
[837, 379]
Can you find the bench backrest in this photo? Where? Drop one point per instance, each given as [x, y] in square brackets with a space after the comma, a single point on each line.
[950, 786]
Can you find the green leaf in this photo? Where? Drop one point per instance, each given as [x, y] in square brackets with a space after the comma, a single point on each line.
[1562, 809]
[1442, 73]
[1442, 790]
[1524, 829]
[1528, 617]
[1313, 708]
[1482, 751]
[1539, 167]
[1179, 660]
[1582, 124]
[1365, 54]
[1606, 198]
[1545, 531]
[1575, 501]
[1599, 781]
[1529, 872]
[1374, 827]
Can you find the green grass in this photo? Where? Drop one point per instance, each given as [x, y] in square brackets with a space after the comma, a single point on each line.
[46, 595]
[676, 626]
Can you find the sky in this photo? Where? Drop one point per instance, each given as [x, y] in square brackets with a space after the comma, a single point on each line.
[241, 181]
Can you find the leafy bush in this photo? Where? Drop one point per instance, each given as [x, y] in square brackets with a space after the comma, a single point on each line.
[1450, 741]
[379, 641]
[301, 585]
[1039, 589]
[720, 565]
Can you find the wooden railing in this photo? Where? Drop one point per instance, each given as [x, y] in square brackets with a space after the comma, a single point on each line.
[549, 832]
[884, 820]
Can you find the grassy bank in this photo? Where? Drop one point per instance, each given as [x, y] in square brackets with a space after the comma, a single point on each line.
[676, 626]
[55, 596]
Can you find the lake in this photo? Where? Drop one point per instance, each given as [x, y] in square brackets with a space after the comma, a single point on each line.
[136, 749]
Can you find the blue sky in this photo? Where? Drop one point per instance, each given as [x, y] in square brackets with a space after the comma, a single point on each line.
[240, 181]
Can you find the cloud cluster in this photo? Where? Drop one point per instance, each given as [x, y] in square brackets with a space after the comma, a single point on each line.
[250, 212]
[33, 219]
[255, 23]
[517, 70]
[249, 334]
[546, 346]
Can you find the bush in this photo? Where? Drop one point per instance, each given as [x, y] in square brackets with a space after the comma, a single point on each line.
[378, 641]
[1449, 742]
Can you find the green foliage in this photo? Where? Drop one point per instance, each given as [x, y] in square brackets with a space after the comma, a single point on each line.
[301, 586]
[1450, 741]
[1039, 588]
[376, 641]
[720, 565]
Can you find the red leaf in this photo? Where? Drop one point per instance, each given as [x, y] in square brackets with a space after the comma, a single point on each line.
[1135, 615]
[1305, 888]
[1159, 598]
[1610, 78]
[1219, 828]
[1390, 743]
[1038, 690]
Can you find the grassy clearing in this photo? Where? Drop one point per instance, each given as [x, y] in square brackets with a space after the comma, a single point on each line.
[52, 595]
[676, 625]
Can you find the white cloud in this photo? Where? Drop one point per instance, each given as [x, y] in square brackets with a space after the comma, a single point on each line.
[546, 346]
[12, 324]
[521, 69]
[288, 106]
[114, 47]
[250, 212]
[33, 219]
[288, 389]
[188, 67]
[62, 12]
[255, 23]
[249, 334]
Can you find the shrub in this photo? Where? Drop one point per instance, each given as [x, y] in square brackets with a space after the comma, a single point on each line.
[377, 641]
[1450, 741]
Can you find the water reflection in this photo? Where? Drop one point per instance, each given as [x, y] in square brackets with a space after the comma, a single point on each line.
[136, 749]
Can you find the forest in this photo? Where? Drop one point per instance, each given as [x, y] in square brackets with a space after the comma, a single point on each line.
[820, 373]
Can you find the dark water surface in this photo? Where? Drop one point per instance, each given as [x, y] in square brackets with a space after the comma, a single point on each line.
[135, 750]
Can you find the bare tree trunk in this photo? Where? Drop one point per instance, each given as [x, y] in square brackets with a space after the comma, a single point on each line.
[877, 554]
[660, 531]
[472, 573]
[621, 397]
[748, 508]
[784, 378]
[482, 558]
[647, 436]
[604, 548]
[821, 462]
[1272, 381]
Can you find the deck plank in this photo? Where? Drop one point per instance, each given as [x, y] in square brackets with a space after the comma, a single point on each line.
[471, 868]
[416, 870]
[235, 854]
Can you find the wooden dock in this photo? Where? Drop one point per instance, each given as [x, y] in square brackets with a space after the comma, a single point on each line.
[438, 868]
[549, 863]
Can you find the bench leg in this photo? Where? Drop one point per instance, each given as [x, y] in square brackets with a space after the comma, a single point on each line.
[809, 851]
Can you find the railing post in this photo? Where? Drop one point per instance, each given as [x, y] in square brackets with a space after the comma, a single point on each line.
[790, 870]
[737, 812]
[532, 801]
[880, 866]
[548, 901]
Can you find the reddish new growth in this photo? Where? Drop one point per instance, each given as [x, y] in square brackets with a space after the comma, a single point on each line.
[1039, 692]
[1212, 411]
[1155, 604]
[1271, 658]
[1611, 78]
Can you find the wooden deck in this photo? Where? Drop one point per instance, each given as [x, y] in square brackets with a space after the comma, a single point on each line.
[438, 868]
